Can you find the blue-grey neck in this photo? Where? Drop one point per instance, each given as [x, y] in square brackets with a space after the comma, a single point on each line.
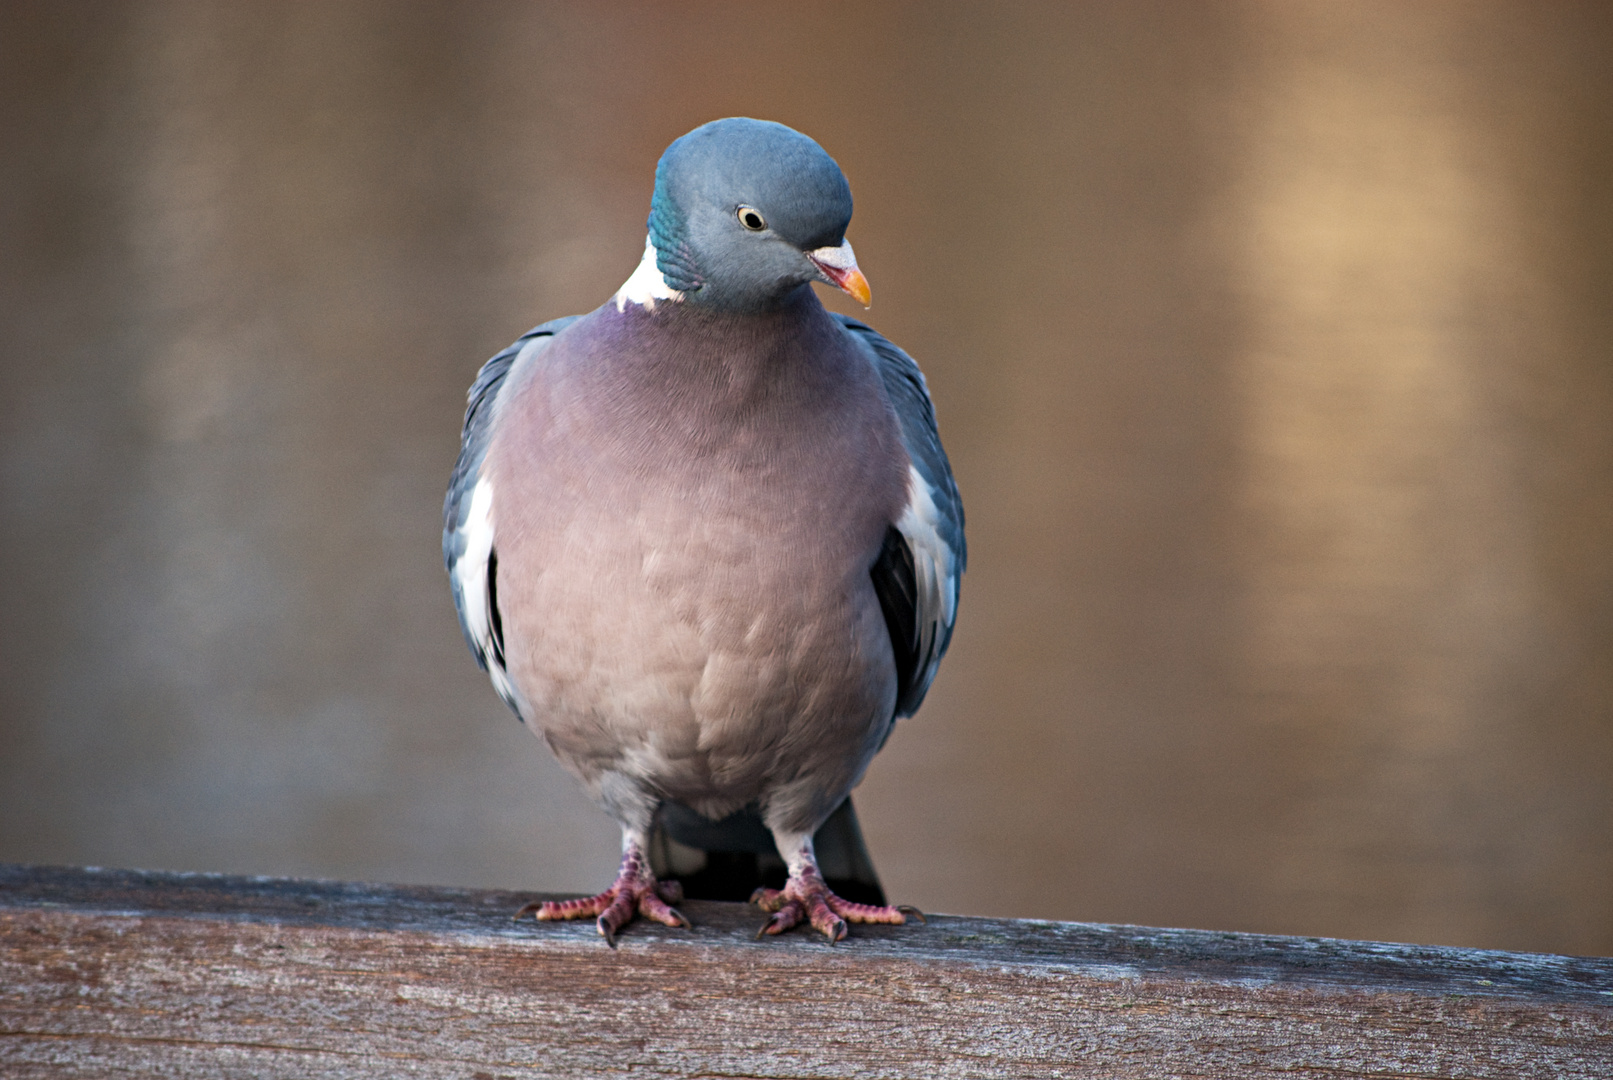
[703, 179]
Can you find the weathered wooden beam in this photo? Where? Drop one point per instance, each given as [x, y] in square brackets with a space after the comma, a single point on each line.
[112, 973]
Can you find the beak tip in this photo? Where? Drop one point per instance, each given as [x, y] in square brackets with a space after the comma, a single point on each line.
[856, 286]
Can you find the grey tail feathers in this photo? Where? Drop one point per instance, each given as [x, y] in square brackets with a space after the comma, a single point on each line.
[731, 858]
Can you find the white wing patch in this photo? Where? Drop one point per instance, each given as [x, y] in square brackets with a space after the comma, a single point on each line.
[935, 572]
[470, 574]
[646, 285]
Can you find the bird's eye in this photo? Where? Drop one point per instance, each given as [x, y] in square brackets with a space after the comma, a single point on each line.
[751, 219]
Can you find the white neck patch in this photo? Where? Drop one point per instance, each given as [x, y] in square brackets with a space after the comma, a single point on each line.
[646, 286]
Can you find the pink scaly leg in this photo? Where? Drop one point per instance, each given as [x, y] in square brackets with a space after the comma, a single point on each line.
[635, 892]
[805, 896]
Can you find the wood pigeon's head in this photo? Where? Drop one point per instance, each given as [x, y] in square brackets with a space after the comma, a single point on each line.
[745, 212]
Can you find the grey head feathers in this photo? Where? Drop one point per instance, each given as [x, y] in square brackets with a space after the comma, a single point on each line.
[710, 248]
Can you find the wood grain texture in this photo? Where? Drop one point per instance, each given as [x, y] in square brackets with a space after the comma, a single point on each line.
[114, 973]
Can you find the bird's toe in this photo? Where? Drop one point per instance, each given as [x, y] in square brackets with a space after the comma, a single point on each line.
[635, 892]
[809, 900]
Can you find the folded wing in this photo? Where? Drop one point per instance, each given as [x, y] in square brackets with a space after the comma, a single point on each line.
[917, 573]
[468, 547]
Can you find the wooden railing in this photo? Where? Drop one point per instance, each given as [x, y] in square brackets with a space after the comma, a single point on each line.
[112, 973]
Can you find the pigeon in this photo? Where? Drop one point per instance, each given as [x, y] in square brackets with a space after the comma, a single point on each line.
[704, 539]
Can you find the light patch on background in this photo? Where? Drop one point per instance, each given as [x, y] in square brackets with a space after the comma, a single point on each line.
[1390, 586]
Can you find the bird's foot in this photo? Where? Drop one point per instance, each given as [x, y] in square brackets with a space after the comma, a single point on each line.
[636, 892]
[805, 896]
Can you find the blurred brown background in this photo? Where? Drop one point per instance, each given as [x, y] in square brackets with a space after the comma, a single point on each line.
[1269, 340]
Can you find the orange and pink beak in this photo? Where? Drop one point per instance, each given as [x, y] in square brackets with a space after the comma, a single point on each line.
[837, 266]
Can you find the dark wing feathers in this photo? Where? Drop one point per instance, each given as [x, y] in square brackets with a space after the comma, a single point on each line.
[910, 394]
[896, 585]
[473, 443]
[910, 610]
[474, 438]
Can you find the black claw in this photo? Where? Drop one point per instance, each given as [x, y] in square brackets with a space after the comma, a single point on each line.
[761, 891]
[606, 932]
[776, 919]
[909, 909]
[526, 910]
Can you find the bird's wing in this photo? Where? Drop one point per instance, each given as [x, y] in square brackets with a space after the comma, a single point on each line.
[917, 573]
[467, 529]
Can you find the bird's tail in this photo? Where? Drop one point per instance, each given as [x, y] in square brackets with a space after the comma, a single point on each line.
[732, 858]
